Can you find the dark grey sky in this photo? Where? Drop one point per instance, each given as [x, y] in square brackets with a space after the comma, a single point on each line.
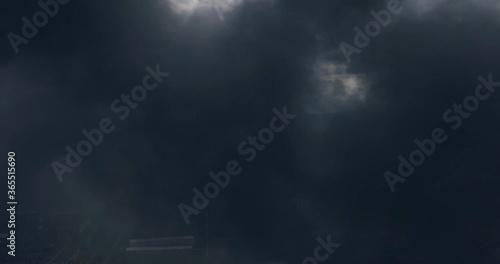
[354, 120]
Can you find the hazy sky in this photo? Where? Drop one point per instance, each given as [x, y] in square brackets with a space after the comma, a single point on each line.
[230, 64]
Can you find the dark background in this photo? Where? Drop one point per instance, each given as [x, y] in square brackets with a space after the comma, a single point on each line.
[322, 176]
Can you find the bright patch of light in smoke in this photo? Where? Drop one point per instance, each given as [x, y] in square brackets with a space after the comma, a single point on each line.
[335, 89]
[184, 6]
[219, 7]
